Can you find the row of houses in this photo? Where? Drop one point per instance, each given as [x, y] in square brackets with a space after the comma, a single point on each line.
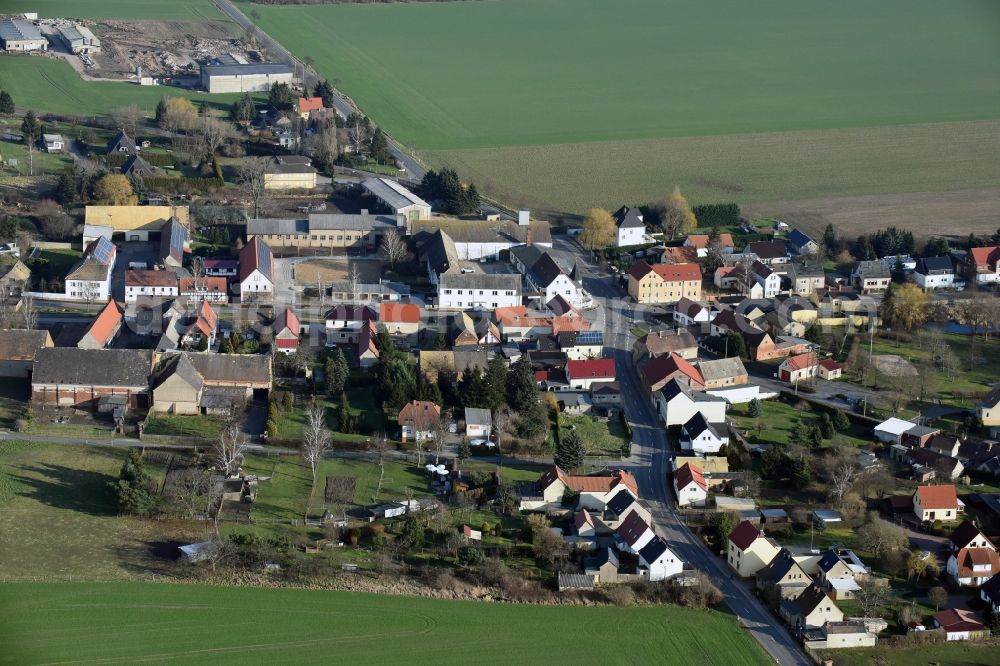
[930, 452]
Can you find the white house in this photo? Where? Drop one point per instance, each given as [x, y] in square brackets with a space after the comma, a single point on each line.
[634, 533]
[690, 486]
[658, 562]
[548, 278]
[768, 280]
[971, 567]
[90, 280]
[53, 143]
[478, 422]
[960, 624]
[256, 274]
[934, 273]
[160, 284]
[344, 323]
[688, 312]
[583, 374]
[418, 419]
[631, 230]
[700, 436]
[594, 492]
[581, 345]
[676, 405]
[478, 291]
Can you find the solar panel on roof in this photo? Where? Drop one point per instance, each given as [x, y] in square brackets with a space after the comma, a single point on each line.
[264, 258]
[102, 250]
[590, 338]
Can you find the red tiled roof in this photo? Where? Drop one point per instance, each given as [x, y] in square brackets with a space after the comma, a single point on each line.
[830, 364]
[679, 255]
[678, 272]
[591, 484]
[206, 312]
[700, 241]
[106, 324]
[985, 257]
[969, 557]
[402, 313]
[662, 367]
[744, 534]
[420, 414]
[957, 619]
[310, 103]
[569, 323]
[148, 278]
[287, 321]
[207, 285]
[937, 497]
[800, 362]
[688, 473]
[581, 518]
[603, 368]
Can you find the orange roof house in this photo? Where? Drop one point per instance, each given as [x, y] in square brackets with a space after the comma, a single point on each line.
[417, 419]
[286, 331]
[658, 371]
[309, 104]
[104, 329]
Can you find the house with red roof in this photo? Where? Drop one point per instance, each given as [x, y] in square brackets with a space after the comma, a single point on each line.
[417, 419]
[794, 369]
[932, 503]
[982, 264]
[307, 105]
[286, 329]
[582, 374]
[593, 491]
[690, 486]
[213, 289]
[702, 242]
[401, 320]
[971, 567]
[830, 369]
[664, 283]
[657, 372]
[749, 550]
[960, 625]
[204, 326]
[104, 327]
[368, 353]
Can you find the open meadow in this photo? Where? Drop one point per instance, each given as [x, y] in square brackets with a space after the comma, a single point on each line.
[543, 105]
[162, 10]
[43, 623]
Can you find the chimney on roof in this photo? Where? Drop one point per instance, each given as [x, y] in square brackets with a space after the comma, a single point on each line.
[523, 217]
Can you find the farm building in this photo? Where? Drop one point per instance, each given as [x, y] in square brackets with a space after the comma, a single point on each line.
[71, 377]
[397, 198]
[18, 349]
[326, 230]
[136, 223]
[229, 74]
[21, 35]
[79, 39]
[288, 173]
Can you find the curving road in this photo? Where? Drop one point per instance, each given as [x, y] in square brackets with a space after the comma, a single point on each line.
[650, 463]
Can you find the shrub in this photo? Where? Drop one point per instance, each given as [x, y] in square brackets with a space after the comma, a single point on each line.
[622, 596]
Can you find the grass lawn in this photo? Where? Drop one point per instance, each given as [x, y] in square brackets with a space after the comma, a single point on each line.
[954, 653]
[43, 162]
[777, 85]
[45, 84]
[779, 419]
[167, 10]
[974, 375]
[599, 437]
[58, 519]
[363, 407]
[196, 425]
[222, 625]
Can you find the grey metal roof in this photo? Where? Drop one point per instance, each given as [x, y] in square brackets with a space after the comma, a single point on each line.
[501, 281]
[629, 218]
[392, 193]
[336, 221]
[18, 30]
[245, 70]
[285, 226]
[278, 167]
[478, 416]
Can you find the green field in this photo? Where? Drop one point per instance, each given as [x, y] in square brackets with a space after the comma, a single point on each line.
[585, 114]
[45, 84]
[131, 622]
[166, 10]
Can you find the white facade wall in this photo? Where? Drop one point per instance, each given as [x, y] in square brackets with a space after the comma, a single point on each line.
[256, 283]
[631, 236]
[478, 299]
[96, 290]
[682, 408]
[238, 83]
[690, 495]
[133, 293]
[565, 287]
[666, 566]
[706, 442]
[476, 251]
[934, 281]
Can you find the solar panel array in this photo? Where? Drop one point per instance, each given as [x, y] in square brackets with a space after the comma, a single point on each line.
[263, 258]
[178, 236]
[102, 250]
[590, 338]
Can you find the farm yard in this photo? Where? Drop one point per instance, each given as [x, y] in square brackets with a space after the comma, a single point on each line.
[741, 121]
[222, 625]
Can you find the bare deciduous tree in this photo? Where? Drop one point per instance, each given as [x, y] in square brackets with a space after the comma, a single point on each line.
[353, 280]
[841, 482]
[315, 441]
[501, 421]
[127, 118]
[29, 312]
[212, 134]
[324, 147]
[440, 431]
[191, 490]
[393, 247]
[250, 175]
[379, 444]
[880, 536]
[229, 449]
[872, 596]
